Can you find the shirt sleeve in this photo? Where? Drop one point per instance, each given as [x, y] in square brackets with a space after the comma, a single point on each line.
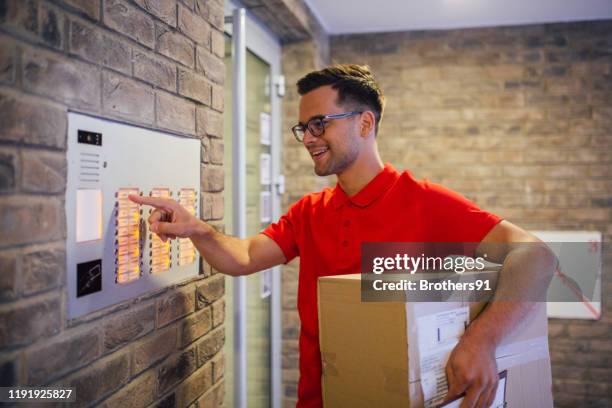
[454, 218]
[285, 231]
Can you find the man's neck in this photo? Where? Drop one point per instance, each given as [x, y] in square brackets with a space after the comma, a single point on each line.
[359, 174]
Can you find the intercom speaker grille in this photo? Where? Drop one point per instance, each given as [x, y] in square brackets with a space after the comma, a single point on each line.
[89, 167]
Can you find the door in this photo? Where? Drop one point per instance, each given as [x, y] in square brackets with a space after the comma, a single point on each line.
[261, 337]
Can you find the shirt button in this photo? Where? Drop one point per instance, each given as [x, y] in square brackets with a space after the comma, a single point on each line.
[345, 243]
[347, 223]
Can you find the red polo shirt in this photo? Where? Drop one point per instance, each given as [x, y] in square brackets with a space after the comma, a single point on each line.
[326, 229]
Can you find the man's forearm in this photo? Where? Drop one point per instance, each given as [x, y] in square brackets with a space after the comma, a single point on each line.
[226, 254]
[524, 279]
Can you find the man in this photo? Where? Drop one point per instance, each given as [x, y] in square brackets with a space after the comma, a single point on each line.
[340, 111]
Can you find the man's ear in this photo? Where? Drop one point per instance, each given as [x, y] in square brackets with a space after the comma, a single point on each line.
[368, 123]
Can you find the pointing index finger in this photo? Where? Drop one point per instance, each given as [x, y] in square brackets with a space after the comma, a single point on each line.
[156, 202]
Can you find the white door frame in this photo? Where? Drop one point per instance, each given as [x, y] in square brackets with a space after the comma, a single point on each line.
[266, 45]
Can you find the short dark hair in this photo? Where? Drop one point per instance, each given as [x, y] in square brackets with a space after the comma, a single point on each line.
[355, 85]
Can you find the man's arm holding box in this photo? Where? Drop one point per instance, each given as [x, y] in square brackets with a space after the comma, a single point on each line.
[526, 273]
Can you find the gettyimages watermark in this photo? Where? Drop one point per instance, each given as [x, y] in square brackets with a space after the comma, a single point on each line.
[451, 272]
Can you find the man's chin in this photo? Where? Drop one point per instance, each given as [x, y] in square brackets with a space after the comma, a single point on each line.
[322, 171]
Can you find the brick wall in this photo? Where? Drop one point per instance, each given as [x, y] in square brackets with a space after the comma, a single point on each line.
[158, 64]
[517, 119]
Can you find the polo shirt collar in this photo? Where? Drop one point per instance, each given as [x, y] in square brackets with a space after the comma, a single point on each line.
[367, 195]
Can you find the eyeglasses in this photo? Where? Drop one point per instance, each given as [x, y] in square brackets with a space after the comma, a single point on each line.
[316, 125]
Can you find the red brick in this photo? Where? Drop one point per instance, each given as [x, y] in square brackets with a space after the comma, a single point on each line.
[195, 326]
[154, 70]
[211, 290]
[165, 10]
[290, 299]
[211, 65]
[205, 151]
[63, 354]
[567, 373]
[175, 46]
[190, 4]
[218, 363]
[603, 345]
[130, 21]
[153, 348]
[209, 122]
[218, 97]
[218, 313]
[212, 206]
[217, 43]
[9, 370]
[291, 375]
[290, 354]
[600, 387]
[175, 113]
[590, 331]
[127, 98]
[194, 86]
[20, 16]
[42, 268]
[25, 322]
[174, 306]
[20, 215]
[43, 172]
[565, 400]
[73, 82]
[97, 46]
[32, 121]
[140, 392]
[100, 379]
[89, 8]
[193, 26]
[556, 329]
[9, 163]
[210, 345]
[216, 151]
[214, 398]
[51, 26]
[8, 277]
[168, 400]
[213, 178]
[130, 325]
[212, 11]
[291, 324]
[194, 386]
[7, 61]
[176, 369]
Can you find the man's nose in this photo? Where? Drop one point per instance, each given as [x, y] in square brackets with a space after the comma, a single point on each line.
[308, 138]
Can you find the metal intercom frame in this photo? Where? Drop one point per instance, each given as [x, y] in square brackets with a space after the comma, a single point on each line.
[105, 156]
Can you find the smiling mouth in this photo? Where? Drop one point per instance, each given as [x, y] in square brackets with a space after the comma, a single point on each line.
[318, 152]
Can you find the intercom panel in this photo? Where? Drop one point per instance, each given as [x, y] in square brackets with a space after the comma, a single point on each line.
[112, 255]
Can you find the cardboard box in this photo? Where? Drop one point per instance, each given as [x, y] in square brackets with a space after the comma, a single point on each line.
[370, 350]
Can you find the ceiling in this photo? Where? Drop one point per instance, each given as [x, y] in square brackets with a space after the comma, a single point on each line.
[361, 16]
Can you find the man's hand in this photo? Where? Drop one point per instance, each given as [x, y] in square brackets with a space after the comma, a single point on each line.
[471, 369]
[169, 219]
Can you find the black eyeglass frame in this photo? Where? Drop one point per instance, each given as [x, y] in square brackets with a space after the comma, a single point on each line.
[323, 118]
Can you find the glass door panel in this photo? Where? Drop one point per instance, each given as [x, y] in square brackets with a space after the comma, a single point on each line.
[259, 210]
